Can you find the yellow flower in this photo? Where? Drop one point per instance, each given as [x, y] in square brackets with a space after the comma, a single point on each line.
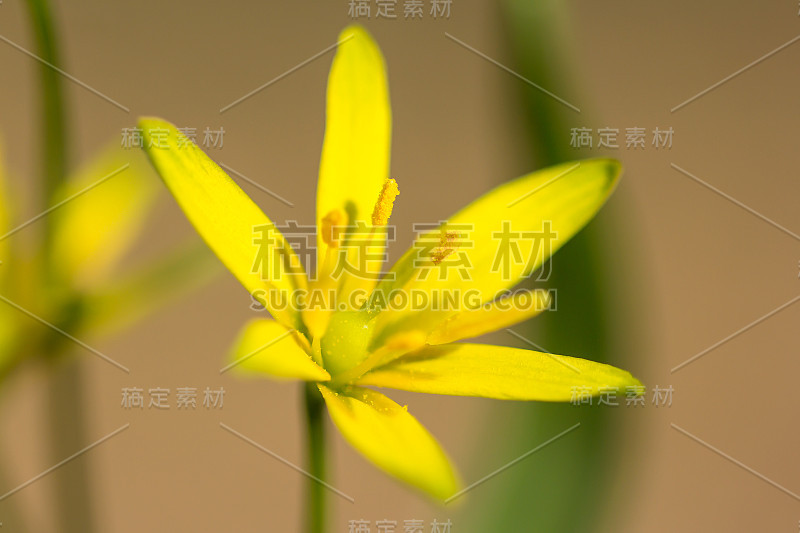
[70, 272]
[362, 331]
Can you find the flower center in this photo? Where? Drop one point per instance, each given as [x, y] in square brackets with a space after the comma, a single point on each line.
[346, 340]
[347, 334]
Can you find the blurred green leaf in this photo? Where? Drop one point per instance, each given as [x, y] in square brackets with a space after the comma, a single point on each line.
[563, 487]
[8, 318]
[153, 286]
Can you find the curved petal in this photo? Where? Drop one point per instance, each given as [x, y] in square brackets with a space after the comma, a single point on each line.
[355, 153]
[493, 243]
[234, 227]
[501, 313]
[499, 372]
[392, 439]
[103, 209]
[265, 347]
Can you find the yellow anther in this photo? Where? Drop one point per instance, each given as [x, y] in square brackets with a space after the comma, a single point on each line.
[447, 245]
[333, 224]
[323, 289]
[383, 207]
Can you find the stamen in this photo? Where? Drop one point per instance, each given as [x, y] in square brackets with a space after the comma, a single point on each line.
[447, 245]
[383, 207]
[332, 226]
[324, 287]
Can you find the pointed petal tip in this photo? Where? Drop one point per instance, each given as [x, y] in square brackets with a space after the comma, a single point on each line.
[615, 169]
[148, 120]
[635, 382]
[354, 31]
[392, 439]
[363, 45]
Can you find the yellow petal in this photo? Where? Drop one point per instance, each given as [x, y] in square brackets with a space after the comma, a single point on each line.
[392, 439]
[499, 372]
[103, 208]
[227, 219]
[501, 313]
[268, 348]
[493, 243]
[355, 153]
[398, 345]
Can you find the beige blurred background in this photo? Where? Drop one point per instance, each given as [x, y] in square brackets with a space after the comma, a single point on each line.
[705, 267]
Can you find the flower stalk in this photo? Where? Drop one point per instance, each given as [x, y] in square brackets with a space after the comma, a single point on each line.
[65, 386]
[53, 113]
[315, 433]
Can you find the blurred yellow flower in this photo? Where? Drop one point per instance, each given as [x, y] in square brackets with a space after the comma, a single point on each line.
[64, 280]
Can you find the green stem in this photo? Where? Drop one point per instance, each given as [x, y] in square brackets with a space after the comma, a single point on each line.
[53, 119]
[65, 386]
[67, 426]
[54, 148]
[315, 491]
